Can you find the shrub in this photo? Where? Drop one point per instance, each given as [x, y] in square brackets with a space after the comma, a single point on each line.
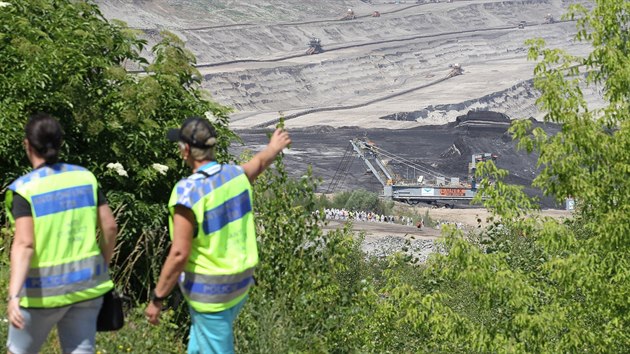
[65, 58]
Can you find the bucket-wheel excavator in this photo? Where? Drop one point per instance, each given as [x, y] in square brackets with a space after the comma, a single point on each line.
[422, 183]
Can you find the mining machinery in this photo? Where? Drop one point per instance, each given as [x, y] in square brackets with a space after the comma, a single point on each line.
[314, 46]
[549, 18]
[349, 15]
[456, 69]
[426, 185]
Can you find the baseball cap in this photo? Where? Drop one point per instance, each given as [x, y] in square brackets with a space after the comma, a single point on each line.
[196, 132]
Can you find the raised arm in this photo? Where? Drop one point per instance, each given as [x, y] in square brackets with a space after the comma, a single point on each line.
[259, 163]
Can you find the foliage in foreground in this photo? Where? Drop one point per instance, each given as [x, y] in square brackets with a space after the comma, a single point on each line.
[65, 58]
[317, 292]
[524, 284]
[561, 285]
[357, 200]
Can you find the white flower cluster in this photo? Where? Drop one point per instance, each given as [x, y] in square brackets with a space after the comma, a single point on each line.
[211, 117]
[118, 168]
[160, 168]
[4, 4]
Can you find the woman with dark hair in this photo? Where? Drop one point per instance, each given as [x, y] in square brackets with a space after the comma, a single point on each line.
[58, 266]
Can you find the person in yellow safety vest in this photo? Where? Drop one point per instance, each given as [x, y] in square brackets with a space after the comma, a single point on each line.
[213, 252]
[58, 267]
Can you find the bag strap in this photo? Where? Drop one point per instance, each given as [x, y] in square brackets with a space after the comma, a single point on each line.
[207, 175]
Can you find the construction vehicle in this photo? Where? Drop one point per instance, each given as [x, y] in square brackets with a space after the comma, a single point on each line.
[456, 69]
[423, 183]
[549, 19]
[314, 46]
[376, 14]
[349, 15]
[522, 24]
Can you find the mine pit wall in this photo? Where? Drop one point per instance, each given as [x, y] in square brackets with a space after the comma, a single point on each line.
[270, 40]
[516, 101]
[356, 75]
[195, 14]
[334, 81]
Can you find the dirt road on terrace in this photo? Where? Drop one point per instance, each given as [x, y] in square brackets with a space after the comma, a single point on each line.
[252, 57]
[383, 239]
[465, 218]
[376, 230]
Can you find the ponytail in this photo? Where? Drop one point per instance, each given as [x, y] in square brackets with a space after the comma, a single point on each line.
[44, 134]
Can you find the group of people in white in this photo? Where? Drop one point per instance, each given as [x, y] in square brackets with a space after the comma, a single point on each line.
[367, 216]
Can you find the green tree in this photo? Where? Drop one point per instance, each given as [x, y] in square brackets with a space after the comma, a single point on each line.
[545, 285]
[65, 58]
[589, 160]
[361, 200]
[524, 284]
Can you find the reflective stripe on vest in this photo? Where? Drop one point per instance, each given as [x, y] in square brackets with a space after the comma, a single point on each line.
[63, 200]
[67, 266]
[232, 210]
[66, 278]
[224, 253]
[216, 288]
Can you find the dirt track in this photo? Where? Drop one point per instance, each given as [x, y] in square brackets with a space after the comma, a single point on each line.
[466, 218]
[383, 239]
[368, 58]
[375, 230]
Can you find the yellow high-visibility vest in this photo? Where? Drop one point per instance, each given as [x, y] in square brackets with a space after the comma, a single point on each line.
[224, 253]
[67, 265]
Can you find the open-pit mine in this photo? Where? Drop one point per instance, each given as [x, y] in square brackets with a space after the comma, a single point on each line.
[402, 74]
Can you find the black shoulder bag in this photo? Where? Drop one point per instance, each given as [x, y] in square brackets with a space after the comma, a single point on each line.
[111, 316]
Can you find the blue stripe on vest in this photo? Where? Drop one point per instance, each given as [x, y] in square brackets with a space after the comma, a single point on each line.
[53, 281]
[217, 289]
[233, 209]
[44, 171]
[191, 190]
[63, 200]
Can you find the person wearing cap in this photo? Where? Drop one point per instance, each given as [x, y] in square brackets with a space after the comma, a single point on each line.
[213, 252]
[58, 265]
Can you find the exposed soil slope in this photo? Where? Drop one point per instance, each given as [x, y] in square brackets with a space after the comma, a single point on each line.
[444, 148]
[384, 77]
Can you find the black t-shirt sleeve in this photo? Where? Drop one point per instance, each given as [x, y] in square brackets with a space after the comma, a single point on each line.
[101, 198]
[21, 207]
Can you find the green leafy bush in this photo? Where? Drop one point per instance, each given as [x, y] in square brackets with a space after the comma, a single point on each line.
[524, 284]
[558, 285]
[358, 200]
[65, 58]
